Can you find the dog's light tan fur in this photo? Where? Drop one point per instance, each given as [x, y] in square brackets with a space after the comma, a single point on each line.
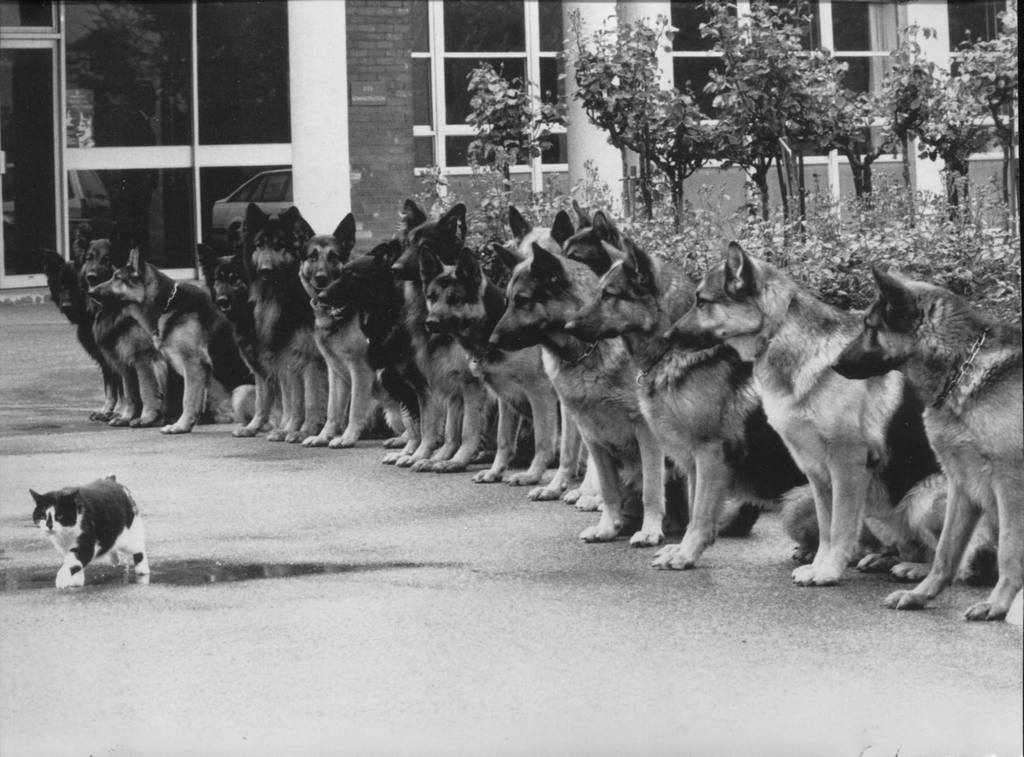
[830, 424]
[976, 429]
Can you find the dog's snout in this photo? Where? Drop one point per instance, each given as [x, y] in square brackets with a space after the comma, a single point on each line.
[223, 303]
[432, 325]
[92, 279]
[320, 280]
[266, 273]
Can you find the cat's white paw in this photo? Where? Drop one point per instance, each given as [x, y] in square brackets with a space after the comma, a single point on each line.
[66, 579]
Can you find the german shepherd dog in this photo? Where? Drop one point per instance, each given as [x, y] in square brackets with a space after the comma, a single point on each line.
[340, 340]
[366, 292]
[69, 297]
[285, 346]
[194, 337]
[699, 400]
[125, 345]
[594, 381]
[227, 281]
[967, 370]
[861, 444]
[462, 302]
[455, 402]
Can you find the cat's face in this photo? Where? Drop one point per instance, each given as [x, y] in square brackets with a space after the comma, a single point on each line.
[55, 511]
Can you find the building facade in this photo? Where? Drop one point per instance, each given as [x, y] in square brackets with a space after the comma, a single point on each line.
[164, 119]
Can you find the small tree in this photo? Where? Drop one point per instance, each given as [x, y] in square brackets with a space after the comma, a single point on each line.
[769, 94]
[511, 125]
[619, 86]
[990, 73]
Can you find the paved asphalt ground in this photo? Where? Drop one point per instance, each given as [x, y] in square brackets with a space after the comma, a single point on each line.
[317, 602]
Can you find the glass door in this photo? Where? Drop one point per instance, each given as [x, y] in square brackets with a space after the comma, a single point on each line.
[28, 165]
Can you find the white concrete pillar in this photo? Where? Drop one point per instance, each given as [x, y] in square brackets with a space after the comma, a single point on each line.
[930, 14]
[585, 141]
[318, 78]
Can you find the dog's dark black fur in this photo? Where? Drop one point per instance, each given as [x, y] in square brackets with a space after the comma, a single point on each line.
[226, 279]
[367, 289]
[67, 294]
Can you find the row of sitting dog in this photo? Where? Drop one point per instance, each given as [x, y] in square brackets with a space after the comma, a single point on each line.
[893, 444]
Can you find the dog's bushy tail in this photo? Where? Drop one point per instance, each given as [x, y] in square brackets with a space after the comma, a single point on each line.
[800, 522]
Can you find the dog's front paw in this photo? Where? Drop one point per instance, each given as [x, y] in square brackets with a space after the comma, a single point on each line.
[815, 575]
[395, 442]
[294, 437]
[673, 557]
[345, 441]
[147, 421]
[66, 579]
[277, 435]
[589, 503]
[244, 432]
[120, 422]
[420, 466]
[176, 428]
[877, 562]
[572, 496]
[646, 539]
[910, 571]
[390, 458]
[985, 611]
[488, 476]
[101, 416]
[544, 493]
[602, 532]
[523, 478]
[405, 461]
[449, 466]
[906, 600]
[315, 441]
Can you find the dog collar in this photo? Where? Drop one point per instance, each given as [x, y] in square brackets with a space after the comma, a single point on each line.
[960, 372]
[174, 293]
[586, 353]
[650, 366]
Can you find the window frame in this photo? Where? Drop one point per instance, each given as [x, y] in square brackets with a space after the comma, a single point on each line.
[193, 156]
[440, 131]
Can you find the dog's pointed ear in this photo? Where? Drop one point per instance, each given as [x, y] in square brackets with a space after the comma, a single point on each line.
[412, 215]
[133, 259]
[345, 235]
[453, 225]
[301, 231]
[545, 267]
[561, 228]
[898, 298]
[386, 253]
[52, 262]
[641, 268]
[605, 228]
[430, 266]
[255, 219]
[206, 258]
[468, 269]
[582, 216]
[740, 274]
[520, 226]
[508, 257]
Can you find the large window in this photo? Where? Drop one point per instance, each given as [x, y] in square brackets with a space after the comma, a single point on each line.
[155, 135]
[521, 38]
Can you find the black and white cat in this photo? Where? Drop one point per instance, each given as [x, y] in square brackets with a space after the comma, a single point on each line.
[95, 520]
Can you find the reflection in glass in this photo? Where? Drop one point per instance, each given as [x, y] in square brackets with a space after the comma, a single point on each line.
[472, 26]
[128, 74]
[243, 72]
[864, 25]
[26, 13]
[422, 113]
[687, 16]
[550, 18]
[975, 20]
[152, 206]
[423, 149]
[26, 134]
[226, 192]
[420, 26]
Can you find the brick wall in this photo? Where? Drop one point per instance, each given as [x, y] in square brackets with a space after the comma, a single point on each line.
[380, 114]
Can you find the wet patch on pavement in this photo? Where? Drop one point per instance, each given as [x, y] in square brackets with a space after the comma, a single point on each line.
[198, 573]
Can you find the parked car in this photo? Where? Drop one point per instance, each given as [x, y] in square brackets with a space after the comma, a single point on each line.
[270, 190]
